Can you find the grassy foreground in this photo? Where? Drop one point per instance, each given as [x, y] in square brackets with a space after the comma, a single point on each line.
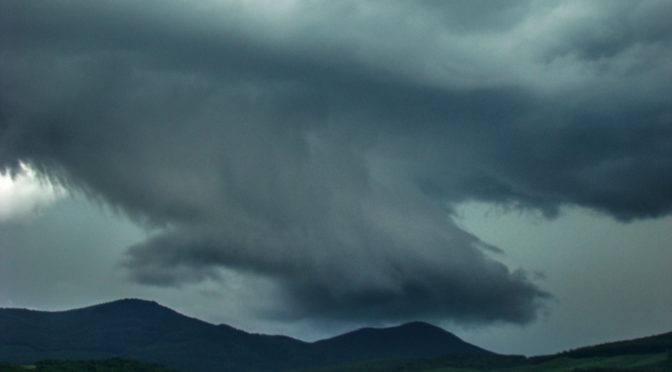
[102, 365]
[658, 362]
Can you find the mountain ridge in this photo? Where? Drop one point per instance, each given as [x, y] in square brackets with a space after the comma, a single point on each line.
[147, 331]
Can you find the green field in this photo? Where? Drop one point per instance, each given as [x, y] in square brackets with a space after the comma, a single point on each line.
[638, 362]
[103, 365]
[659, 362]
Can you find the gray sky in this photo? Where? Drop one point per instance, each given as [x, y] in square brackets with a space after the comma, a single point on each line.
[301, 167]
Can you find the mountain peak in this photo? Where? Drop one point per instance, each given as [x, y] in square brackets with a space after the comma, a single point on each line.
[128, 304]
[131, 302]
[419, 325]
[410, 329]
[414, 339]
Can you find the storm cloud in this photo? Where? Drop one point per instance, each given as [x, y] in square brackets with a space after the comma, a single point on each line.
[324, 146]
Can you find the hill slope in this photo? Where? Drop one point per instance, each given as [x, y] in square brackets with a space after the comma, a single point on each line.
[137, 329]
[147, 331]
[645, 345]
[648, 354]
[416, 339]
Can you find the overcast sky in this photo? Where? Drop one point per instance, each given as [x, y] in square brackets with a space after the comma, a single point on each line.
[502, 169]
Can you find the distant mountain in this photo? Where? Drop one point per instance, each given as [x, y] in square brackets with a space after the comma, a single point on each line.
[147, 331]
[141, 330]
[416, 339]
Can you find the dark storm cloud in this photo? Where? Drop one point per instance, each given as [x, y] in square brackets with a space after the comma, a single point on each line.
[324, 147]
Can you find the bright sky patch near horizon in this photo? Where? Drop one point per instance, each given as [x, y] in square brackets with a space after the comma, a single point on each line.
[24, 194]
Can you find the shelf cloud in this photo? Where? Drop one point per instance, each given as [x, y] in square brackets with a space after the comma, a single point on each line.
[325, 146]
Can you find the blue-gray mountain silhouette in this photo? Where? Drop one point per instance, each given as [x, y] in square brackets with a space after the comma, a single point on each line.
[147, 331]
